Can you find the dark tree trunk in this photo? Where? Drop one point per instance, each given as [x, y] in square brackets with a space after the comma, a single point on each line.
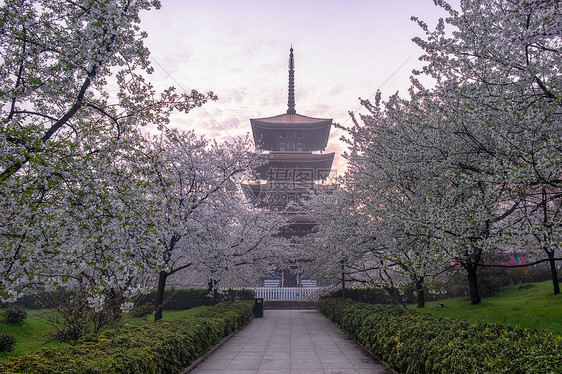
[549, 253]
[215, 296]
[162, 277]
[473, 284]
[391, 293]
[209, 289]
[553, 272]
[215, 293]
[420, 297]
[114, 304]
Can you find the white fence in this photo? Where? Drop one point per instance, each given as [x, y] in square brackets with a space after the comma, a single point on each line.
[283, 293]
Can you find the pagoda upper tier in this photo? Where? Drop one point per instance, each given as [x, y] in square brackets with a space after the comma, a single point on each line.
[291, 133]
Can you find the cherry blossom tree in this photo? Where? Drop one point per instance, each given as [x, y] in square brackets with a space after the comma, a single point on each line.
[484, 141]
[73, 96]
[84, 229]
[499, 82]
[384, 203]
[237, 242]
[471, 164]
[202, 221]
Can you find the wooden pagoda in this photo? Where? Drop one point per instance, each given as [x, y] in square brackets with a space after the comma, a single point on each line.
[293, 145]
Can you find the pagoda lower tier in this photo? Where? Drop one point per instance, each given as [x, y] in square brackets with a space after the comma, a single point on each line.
[299, 226]
[278, 196]
[295, 167]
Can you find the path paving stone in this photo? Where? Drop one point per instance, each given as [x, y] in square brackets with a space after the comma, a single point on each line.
[290, 342]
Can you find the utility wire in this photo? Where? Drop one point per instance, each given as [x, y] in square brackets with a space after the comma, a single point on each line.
[331, 136]
[184, 90]
[374, 93]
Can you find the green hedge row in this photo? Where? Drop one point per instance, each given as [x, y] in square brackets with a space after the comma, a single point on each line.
[365, 295]
[176, 299]
[163, 347]
[182, 299]
[410, 342]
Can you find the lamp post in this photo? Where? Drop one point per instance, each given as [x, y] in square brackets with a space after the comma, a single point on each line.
[343, 260]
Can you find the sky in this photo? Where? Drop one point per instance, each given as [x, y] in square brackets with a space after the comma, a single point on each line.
[239, 49]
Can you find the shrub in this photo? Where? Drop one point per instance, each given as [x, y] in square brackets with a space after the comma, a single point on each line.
[492, 280]
[37, 300]
[182, 299]
[73, 318]
[416, 343]
[539, 273]
[364, 295]
[140, 311]
[157, 348]
[15, 314]
[7, 343]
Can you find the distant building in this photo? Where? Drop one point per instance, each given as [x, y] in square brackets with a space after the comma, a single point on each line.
[289, 142]
[513, 259]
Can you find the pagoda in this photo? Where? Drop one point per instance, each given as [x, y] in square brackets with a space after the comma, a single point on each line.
[293, 146]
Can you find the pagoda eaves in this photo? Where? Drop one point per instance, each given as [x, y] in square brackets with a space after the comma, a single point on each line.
[291, 132]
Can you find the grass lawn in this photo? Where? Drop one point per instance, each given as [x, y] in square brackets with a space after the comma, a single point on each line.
[167, 315]
[530, 305]
[33, 333]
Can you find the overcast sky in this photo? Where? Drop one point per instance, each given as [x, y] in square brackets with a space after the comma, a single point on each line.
[344, 49]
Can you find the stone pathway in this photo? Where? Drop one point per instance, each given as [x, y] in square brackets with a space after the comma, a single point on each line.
[291, 342]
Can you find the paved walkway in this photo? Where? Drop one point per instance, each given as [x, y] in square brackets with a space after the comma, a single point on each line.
[289, 341]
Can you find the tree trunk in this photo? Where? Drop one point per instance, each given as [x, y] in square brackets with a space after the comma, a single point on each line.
[473, 284]
[215, 296]
[390, 292]
[553, 272]
[549, 253]
[209, 290]
[420, 297]
[211, 287]
[114, 300]
[162, 277]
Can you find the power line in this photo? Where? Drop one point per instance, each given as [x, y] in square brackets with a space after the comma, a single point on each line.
[374, 93]
[184, 90]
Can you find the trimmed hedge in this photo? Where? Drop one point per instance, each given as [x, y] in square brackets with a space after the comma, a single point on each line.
[410, 342]
[182, 299]
[364, 295]
[163, 347]
[176, 299]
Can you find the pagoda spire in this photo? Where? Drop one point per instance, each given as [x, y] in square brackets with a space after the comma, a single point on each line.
[291, 103]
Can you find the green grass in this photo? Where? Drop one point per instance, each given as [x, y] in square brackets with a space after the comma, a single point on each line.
[531, 306]
[167, 315]
[34, 332]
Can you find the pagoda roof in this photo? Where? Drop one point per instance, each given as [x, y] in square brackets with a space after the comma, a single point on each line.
[264, 187]
[264, 131]
[290, 119]
[298, 156]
